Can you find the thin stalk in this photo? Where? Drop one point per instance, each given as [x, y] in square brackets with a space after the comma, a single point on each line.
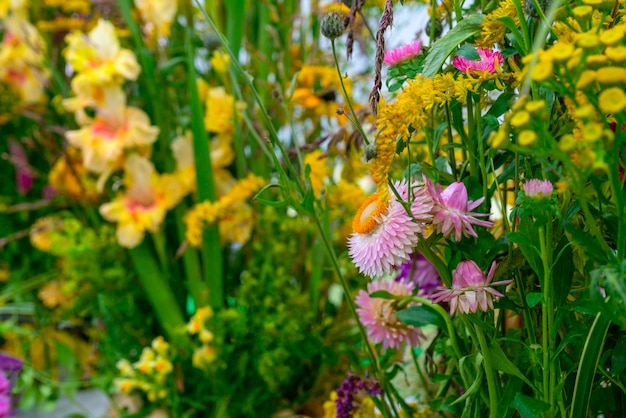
[421, 375]
[548, 318]
[489, 372]
[444, 315]
[470, 145]
[481, 147]
[437, 262]
[451, 156]
[356, 122]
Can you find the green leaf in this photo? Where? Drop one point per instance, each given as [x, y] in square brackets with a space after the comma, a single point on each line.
[502, 363]
[501, 105]
[383, 294]
[468, 52]
[618, 361]
[533, 298]
[587, 367]
[476, 360]
[529, 407]
[442, 48]
[419, 316]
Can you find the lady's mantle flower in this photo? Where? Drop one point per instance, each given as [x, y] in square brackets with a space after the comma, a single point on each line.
[471, 289]
[402, 53]
[143, 207]
[452, 210]
[538, 189]
[378, 315]
[489, 61]
[384, 233]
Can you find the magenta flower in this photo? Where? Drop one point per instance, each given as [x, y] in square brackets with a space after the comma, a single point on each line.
[489, 61]
[538, 189]
[452, 210]
[378, 315]
[5, 406]
[471, 289]
[402, 53]
[424, 276]
[24, 174]
[384, 233]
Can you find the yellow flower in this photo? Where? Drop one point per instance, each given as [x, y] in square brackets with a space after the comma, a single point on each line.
[143, 206]
[587, 40]
[612, 100]
[586, 79]
[561, 51]
[203, 357]
[125, 368]
[104, 139]
[69, 177]
[526, 138]
[40, 232]
[70, 6]
[319, 169]
[318, 89]
[206, 336]
[163, 366]
[616, 53]
[125, 385]
[612, 36]
[52, 294]
[160, 346]
[99, 58]
[236, 225]
[492, 28]
[158, 14]
[520, 119]
[542, 71]
[611, 75]
[21, 59]
[220, 111]
[220, 61]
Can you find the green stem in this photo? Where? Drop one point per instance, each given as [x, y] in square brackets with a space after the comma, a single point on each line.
[211, 249]
[549, 378]
[489, 372]
[446, 317]
[481, 147]
[424, 248]
[159, 293]
[356, 122]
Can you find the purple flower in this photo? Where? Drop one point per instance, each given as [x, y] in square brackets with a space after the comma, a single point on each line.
[425, 276]
[471, 289]
[5, 384]
[23, 172]
[351, 388]
[452, 210]
[489, 61]
[5, 406]
[538, 189]
[402, 53]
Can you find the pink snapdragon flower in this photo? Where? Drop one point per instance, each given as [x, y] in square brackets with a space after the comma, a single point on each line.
[384, 234]
[538, 189]
[489, 61]
[471, 289]
[378, 315]
[402, 53]
[452, 211]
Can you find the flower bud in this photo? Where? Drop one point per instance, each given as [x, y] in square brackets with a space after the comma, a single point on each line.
[332, 25]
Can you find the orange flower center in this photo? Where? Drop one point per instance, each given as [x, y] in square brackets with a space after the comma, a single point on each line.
[366, 218]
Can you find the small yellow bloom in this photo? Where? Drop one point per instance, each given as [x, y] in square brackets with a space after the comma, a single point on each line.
[582, 13]
[567, 143]
[157, 14]
[596, 61]
[220, 61]
[160, 346]
[611, 75]
[206, 336]
[203, 357]
[588, 40]
[542, 71]
[592, 132]
[220, 111]
[125, 368]
[587, 78]
[616, 53]
[319, 169]
[612, 36]
[561, 51]
[520, 119]
[163, 366]
[526, 138]
[612, 100]
[497, 139]
[535, 106]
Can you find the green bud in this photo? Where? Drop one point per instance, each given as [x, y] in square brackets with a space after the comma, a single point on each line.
[332, 25]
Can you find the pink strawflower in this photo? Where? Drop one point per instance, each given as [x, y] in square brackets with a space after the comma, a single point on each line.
[538, 189]
[489, 61]
[384, 233]
[471, 289]
[402, 53]
[452, 211]
[5, 384]
[378, 315]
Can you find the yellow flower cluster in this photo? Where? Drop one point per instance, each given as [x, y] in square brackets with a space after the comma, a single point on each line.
[70, 6]
[149, 374]
[366, 408]
[319, 169]
[22, 53]
[205, 213]
[411, 108]
[317, 89]
[492, 29]
[157, 15]
[204, 355]
[220, 111]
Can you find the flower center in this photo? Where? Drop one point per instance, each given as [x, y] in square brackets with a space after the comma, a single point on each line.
[366, 218]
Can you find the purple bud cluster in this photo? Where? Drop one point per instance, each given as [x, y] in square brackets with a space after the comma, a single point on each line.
[351, 387]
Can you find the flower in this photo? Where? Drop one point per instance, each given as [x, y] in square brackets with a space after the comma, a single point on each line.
[378, 315]
[402, 53]
[537, 189]
[220, 111]
[451, 210]
[318, 163]
[384, 233]
[424, 276]
[143, 207]
[158, 14]
[489, 61]
[98, 57]
[612, 100]
[471, 289]
[354, 387]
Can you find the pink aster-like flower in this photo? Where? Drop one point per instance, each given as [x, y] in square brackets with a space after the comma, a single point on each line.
[489, 61]
[384, 233]
[378, 315]
[471, 289]
[538, 189]
[402, 53]
[452, 211]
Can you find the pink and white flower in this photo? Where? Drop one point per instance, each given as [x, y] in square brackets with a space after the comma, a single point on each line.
[402, 53]
[489, 61]
[385, 234]
[538, 189]
[378, 315]
[452, 211]
[471, 289]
